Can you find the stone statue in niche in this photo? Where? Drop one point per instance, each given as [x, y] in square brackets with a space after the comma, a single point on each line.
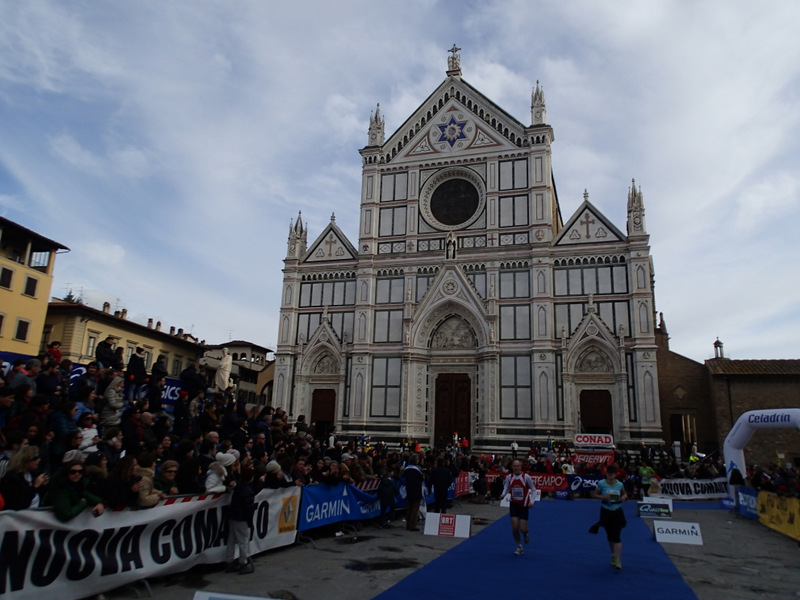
[594, 361]
[326, 364]
[453, 334]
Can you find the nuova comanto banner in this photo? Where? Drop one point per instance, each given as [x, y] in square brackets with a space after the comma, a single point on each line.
[89, 555]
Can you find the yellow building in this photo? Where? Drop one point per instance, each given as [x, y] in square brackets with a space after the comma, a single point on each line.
[27, 260]
[80, 328]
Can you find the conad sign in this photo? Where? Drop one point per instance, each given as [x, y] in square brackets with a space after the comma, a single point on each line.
[594, 439]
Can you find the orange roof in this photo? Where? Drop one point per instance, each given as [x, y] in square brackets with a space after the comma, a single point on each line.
[725, 366]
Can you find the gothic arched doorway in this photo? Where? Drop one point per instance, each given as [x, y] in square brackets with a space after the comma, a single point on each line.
[452, 407]
[323, 411]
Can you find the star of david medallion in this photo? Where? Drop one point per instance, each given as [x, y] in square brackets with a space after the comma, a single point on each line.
[452, 131]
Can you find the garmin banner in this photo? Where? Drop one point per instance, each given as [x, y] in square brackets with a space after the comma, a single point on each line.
[326, 504]
[90, 555]
[692, 489]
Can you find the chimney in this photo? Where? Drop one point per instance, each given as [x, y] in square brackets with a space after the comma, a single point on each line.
[158, 326]
[116, 313]
[106, 307]
[149, 323]
[180, 332]
[124, 313]
[718, 353]
[172, 330]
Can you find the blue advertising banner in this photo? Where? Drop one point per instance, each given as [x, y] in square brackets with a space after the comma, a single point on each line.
[583, 483]
[326, 504]
[747, 502]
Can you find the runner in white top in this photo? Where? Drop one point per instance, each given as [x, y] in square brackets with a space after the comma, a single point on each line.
[520, 489]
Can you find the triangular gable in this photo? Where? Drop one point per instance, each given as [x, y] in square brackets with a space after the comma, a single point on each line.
[323, 353]
[444, 127]
[331, 245]
[453, 130]
[450, 293]
[588, 226]
[592, 346]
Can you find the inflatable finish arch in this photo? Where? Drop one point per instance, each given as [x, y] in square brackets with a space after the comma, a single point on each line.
[742, 431]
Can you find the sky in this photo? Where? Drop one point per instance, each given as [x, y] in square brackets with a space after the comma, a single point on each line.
[169, 144]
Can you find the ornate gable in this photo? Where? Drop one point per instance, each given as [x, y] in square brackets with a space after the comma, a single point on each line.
[450, 295]
[331, 245]
[456, 118]
[593, 347]
[323, 353]
[588, 226]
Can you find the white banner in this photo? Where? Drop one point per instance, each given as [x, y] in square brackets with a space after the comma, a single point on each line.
[89, 555]
[689, 489]
[678, 532]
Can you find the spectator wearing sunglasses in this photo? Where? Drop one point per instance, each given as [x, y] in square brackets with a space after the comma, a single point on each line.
[23, 485]
[69, 495]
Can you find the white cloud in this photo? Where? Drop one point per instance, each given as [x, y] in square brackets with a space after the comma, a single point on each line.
[179, 139]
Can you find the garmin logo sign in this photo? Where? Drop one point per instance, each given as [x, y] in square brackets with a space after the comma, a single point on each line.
[677, 532]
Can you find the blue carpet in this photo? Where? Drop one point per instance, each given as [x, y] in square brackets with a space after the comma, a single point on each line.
[563, 560]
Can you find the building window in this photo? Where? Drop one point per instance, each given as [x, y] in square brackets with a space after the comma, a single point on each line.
[386, 377]
[581, 281]
[389, 291]
[5, 278]
[2, 321]
[613, 314]
[392, 221]
[515, 322]
[394, 187]
[479, 282]
[513, 211]
[388, 325]
[30, 286]
[515, 284]
[177, 366]
[128, 353]
[327, 293]
[513, 174]
[21, 334]
[516, 394]
[90, 345]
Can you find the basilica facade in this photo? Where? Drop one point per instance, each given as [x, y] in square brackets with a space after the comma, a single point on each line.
[468, 305]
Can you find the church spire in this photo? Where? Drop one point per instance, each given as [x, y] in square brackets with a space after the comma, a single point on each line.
[376, 133]
[538, 108]
[636, 223]
[454, 62]
[296, 244]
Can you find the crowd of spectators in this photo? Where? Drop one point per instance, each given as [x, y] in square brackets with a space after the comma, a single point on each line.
[103, 441]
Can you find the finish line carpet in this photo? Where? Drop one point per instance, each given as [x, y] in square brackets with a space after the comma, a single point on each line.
[563, 560]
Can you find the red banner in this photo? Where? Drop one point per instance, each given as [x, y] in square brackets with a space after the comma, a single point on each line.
[547, 482]
[462, 484]
[593, 458]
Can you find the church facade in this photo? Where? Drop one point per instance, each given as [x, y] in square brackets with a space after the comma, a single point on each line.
[468, 305]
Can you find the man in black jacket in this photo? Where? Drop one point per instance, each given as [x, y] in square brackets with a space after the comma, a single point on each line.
[240, 520]
[414, 479]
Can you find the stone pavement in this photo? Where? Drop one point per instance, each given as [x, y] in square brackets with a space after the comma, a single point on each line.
[740, 560]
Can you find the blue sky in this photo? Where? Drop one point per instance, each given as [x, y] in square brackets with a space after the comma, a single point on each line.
[169, 144]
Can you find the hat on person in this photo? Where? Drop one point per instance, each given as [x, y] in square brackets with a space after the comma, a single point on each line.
[345, 456]
[235, 453]
[169, 464]
[72, 455]
[273, 467]
[225, 459]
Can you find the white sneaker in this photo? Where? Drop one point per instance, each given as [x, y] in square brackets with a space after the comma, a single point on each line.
[519, 551]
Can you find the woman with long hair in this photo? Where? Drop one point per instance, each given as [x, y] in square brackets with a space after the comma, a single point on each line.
[23, 485]
[125, 483]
